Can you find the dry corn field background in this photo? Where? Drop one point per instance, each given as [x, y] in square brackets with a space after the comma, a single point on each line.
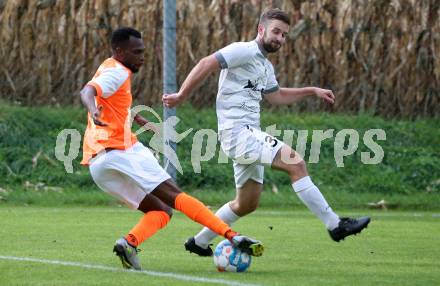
[378, 56]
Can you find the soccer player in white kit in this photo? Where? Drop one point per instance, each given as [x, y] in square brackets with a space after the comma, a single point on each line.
[124, 168]
[247, 77]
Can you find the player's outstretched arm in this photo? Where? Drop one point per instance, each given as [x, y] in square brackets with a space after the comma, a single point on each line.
[198, 74]
[285, 96]
[88, 94]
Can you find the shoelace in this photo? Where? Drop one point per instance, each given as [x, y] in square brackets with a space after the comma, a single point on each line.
[347, 220]
[137, 250]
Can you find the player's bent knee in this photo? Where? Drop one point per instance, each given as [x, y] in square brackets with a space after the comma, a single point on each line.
[297, 170]
[301, 166]
[252, 207]
[242, 209]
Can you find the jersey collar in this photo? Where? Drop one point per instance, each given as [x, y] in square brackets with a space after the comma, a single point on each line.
[262, 50]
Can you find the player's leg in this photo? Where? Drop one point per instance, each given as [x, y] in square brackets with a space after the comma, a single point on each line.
[150, 176]
[156, 216]
[120, 187]
[246, 201]
[240, 145]
[171, 195]
[249, 185]
[112, 175]
[289, 161]
[140, 165]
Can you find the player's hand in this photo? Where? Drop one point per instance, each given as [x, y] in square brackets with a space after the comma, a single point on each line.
[95, 116]
[172, 100]
[325, 94]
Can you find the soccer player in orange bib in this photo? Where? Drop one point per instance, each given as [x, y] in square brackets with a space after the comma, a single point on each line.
[124, 168]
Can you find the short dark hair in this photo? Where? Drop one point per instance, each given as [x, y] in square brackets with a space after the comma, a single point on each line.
[274, 14]
[122, 35]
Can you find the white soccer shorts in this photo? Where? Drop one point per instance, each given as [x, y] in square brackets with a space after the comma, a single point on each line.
[250, 149]
[129, 175]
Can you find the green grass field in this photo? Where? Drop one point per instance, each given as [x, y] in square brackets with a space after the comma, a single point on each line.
[57, 228]
[399, 248]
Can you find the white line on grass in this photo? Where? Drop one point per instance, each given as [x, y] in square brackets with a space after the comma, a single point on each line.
[145, 272]
[374, 214]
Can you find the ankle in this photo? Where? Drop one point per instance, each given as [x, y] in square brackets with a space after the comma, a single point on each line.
[132, 240]
[230, 234]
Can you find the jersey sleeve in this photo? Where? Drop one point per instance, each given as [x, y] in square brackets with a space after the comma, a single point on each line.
[234, 54]
[272, 83]
[109, 81]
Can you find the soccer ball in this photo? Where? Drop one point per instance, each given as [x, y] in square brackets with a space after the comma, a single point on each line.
[230, 259]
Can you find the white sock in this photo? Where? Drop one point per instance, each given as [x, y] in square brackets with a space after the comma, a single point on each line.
[205, 236]
[315, 201]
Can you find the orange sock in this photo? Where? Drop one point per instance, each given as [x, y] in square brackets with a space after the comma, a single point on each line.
[198, 212]
[149, 224]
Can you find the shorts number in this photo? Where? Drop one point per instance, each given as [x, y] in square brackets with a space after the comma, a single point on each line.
[272, 141]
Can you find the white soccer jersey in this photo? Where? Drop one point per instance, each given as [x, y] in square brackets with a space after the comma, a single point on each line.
[245, 77]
